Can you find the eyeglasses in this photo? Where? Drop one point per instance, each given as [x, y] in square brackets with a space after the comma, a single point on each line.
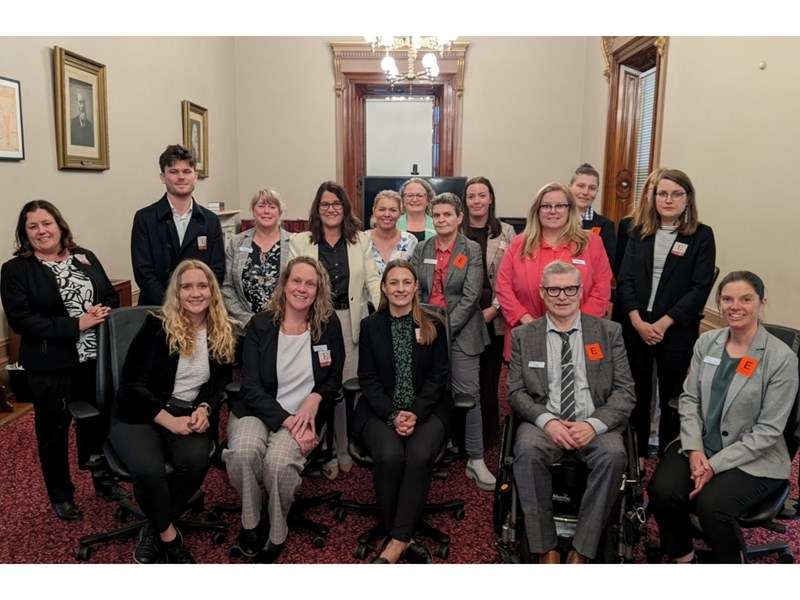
[662, 195]
[546, 208]
[337, 205]
[554, 292]
[417, 196]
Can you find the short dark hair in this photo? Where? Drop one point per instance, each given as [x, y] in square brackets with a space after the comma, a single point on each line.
[450, 199]
[747, 276]
[174, 153]
[585, 169]
[22, 245]
[351, 224]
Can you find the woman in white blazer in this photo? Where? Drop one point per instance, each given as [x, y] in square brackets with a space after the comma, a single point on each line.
[734, 408]
[335, 239]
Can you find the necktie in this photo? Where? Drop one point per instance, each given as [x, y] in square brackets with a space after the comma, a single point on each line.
[567, 378]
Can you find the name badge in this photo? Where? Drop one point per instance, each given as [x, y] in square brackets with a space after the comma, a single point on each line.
[202, 242]
[596, 230]
[679, 248]
[712, 360]
[81, 258]
[536, 364]
[460, 261]
[593, 351]
[324, 358]
[578, 261]
[248, 249]
[746, 366]
[430, 261]
[417, 333]
[320, 348]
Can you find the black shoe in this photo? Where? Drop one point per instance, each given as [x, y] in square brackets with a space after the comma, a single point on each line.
[176, 552]
[249, 541]
[417, 554]
[269, 553]
[379, 560]
[147, 551]
[67, 511]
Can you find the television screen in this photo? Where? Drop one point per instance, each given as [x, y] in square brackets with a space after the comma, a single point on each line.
[370, 186]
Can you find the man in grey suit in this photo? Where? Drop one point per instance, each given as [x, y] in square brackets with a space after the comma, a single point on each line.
[570, 384]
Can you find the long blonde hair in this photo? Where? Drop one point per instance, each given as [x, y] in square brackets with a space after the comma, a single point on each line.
[321, 309]
[180, 333]
[572, 230]
[423, 317]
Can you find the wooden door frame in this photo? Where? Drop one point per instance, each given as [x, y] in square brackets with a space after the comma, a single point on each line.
[617, 52]
[356, 67]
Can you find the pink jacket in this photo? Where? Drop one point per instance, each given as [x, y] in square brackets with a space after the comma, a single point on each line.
[518, 280]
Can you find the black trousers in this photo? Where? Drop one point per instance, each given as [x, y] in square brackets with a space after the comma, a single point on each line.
[726, 496]
[672, 367]
[51, 393]
[491, 365]
[403, 471]
[146, 448]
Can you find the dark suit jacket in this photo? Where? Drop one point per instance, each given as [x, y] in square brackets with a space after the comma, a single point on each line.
[148, 376]
[462, 291]
[260, 373]
[682, 291]
[623, 235]
[609, 377]
[605, 229]
[35, 310]
[81, 136]
[155, 251]
[430, 369]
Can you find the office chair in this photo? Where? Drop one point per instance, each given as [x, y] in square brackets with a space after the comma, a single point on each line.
[363, 458]
[766, 513]
[113, 339]
[296, 518]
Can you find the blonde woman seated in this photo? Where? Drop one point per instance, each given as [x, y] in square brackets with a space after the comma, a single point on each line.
[173, 378]
[293, 360]
[402, 416]
[388, 242]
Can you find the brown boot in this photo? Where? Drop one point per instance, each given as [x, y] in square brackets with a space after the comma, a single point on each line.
[553, 557]
[574, 558]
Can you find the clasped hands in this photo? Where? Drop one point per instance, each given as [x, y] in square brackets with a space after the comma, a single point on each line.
[404, 423]
[94, 315]
[301, 424]
[701, 471]
[651, 333]
[569, 435]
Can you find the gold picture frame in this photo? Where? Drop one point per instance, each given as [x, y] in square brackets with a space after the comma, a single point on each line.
[12, 144]
[81, 112]
[195, 135]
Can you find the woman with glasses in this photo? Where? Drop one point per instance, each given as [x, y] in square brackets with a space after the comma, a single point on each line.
[417, 195]
[336, 240]
[553, 232]
[388, 242]
[664, 282]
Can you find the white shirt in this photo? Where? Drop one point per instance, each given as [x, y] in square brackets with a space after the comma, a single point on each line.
[295, 371]
[181, 221]
[193, 371]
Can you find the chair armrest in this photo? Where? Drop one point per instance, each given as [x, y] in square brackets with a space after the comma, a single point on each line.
[83, 410]
[351, 385]
[463, 402]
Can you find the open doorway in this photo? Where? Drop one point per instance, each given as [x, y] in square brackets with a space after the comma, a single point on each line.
[400, 135]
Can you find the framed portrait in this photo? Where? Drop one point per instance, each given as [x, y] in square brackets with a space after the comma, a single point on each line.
[195, 135]
[81, 112]
[11, 143]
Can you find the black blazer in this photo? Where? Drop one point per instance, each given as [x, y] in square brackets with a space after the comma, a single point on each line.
[430, 370]
[35, 310]
[682, 291]
[623, 235]
[148, 376]
[260, 373]
[605, 229]
[155, 250]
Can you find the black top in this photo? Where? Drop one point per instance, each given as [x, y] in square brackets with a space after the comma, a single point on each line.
[481, 236]
[334, 259]
[605, 229]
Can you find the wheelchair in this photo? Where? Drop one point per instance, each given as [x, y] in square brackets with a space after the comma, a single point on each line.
[626, 525]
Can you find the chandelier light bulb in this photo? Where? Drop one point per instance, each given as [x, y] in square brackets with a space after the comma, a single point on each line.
[434, 70]
[388, 65]
[429, 60]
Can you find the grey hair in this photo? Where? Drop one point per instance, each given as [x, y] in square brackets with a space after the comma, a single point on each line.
[559, 267]
[451, 199]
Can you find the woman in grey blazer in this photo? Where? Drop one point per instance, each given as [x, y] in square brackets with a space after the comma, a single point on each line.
[735, 406]
[255, 258]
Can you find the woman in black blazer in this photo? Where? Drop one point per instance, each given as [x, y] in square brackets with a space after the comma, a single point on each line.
[664, 282]
[173, 379]
[403, 416]
[294, 354]
[54, 295]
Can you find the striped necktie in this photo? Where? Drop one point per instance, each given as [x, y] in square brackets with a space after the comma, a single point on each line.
[567, 378]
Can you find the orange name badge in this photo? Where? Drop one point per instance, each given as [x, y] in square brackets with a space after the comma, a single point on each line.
[460, 261]
[746, 366]
[596, 230]
[593, 351]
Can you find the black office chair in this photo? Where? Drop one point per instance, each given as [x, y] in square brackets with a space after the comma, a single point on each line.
[319, 456]
[362, 457]
[626, 523]
[113, 339]
[766, 514]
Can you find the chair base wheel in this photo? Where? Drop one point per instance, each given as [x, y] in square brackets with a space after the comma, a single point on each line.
[339, 513]
[235, 552]
[83, 553]
[458, 514]
[786, 558]
[318, 541]
[443, 551]
[361, 552]
[218, 538]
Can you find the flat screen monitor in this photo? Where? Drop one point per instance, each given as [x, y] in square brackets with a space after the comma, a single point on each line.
[371, 185]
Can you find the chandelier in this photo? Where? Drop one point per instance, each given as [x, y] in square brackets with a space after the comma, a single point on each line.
[412, 45]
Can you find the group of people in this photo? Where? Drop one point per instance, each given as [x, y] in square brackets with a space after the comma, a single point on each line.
[301, 314]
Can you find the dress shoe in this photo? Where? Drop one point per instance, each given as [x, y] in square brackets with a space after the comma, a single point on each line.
[477, 471]
[379, 560]
[417, 554]
[176, 552]
[67, 511]
[269, 553]
[249, 541]
[147, 551]
[575, 558]
[552, 557]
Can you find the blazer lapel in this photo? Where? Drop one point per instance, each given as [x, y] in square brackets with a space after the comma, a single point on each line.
[594, 371]
[709, 369]
[458, 248]
[756, 352]
[536, 340]
[673, 260]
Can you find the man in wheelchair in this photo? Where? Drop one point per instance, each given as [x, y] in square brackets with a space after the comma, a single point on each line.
[570, 386]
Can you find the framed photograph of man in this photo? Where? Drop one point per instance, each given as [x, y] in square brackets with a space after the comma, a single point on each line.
[81, 112]
[11, 143]
[195, 135]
